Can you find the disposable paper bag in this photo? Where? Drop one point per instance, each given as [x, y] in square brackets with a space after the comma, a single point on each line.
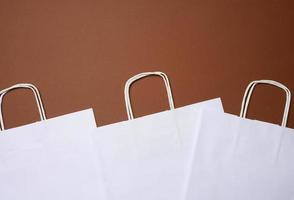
[148, 158]
[240, 159]
[50, 160]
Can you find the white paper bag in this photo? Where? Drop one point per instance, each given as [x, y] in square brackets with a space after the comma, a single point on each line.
[242, 159]
[49, 160]
[148, 158]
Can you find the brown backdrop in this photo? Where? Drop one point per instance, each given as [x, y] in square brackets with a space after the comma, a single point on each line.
[80, 53]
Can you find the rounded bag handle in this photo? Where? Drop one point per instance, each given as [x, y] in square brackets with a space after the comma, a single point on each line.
[249, 91]
[142, 75]
[19, 86]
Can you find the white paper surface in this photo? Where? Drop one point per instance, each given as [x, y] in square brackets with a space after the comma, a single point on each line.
[51, 160]
[148, 158]
[241, 159]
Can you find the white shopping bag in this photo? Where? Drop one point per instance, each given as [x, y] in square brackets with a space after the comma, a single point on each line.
[148, 158]
[49, 160]
[242, 159]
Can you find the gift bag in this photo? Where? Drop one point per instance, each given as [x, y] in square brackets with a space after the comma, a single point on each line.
[148, 157]
[49, 160]
[241, 159]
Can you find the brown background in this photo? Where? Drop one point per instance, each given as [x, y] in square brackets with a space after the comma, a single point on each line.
[80, 53]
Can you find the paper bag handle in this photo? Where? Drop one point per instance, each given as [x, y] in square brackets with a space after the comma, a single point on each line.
[248, 93]
[142, 75]
[18, 86]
